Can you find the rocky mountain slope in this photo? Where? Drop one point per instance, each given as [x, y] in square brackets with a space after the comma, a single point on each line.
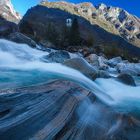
[127, 25]
[104, 35]
[112, 19]
[9, 18]
[7, 11]
[105, 27]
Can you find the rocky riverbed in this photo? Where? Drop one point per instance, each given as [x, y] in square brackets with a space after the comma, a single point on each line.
[53, 94]
[61, 110]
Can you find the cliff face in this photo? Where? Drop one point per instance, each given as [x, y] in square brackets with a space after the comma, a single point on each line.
[7, 11]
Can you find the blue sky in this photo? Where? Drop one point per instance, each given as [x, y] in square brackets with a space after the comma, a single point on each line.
[132, 6]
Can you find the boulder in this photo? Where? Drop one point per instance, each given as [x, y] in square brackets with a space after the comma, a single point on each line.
[103, 63]
[103, 74]
[21, 38]
[126, 79]
[93, 59]
[112, 71]
[114, 61]
[97, 61]
[83, 66]
[58, 56]
[7, 27]
[42, 48]
[129, 68]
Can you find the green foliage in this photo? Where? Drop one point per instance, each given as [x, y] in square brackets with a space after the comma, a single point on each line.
[67, 36]
[90, 40]
[123, 52]
[64, 36]
[112, 51]
[52, 34]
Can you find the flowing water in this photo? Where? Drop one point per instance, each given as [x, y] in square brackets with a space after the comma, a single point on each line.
[22, 66]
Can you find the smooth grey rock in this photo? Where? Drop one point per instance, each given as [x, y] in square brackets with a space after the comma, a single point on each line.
[21, 38]
[127, 79]
[58, 56]
[83, 66]
[61, 110]
[114, 61]
[103, 63]
[93, 59]
[129, 68]
[97, 61]
[103, 74]
[7, 27]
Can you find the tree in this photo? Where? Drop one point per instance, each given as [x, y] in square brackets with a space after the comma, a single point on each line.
[90, 40]
[74, 38]
[51, 33]
[64, 36]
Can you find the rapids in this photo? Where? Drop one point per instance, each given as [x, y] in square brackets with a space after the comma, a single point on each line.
[22, 66]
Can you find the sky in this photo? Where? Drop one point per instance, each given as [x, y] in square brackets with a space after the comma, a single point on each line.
[132, 6]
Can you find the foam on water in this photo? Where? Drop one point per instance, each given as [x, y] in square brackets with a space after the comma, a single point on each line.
[18, 58]
[24, 58]
[126, 98]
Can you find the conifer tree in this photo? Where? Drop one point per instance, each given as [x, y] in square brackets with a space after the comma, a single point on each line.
[51, 33]
[74, 38]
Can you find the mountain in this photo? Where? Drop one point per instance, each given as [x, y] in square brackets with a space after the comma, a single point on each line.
[112, 19]
[8, 18]
[127, 25]
[7, 11]
[102, 33]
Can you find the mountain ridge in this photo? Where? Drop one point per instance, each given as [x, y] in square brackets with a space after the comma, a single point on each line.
[8, 12]
[124, 24]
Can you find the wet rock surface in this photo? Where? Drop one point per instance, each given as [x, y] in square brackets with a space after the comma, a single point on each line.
[61, 110]
[114, 61]
[7, 27]
[127, 79]
[21, 38]
[129, 68]
[58, 56]
[83, 66]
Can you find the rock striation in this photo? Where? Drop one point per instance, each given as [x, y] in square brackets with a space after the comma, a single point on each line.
[61, 110]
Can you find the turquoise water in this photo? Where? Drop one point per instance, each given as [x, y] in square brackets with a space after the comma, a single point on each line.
[14, 78]
[21, 66]
[137, 80]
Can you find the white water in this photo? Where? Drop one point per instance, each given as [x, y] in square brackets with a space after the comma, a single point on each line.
[126, 97]
[22, 64]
